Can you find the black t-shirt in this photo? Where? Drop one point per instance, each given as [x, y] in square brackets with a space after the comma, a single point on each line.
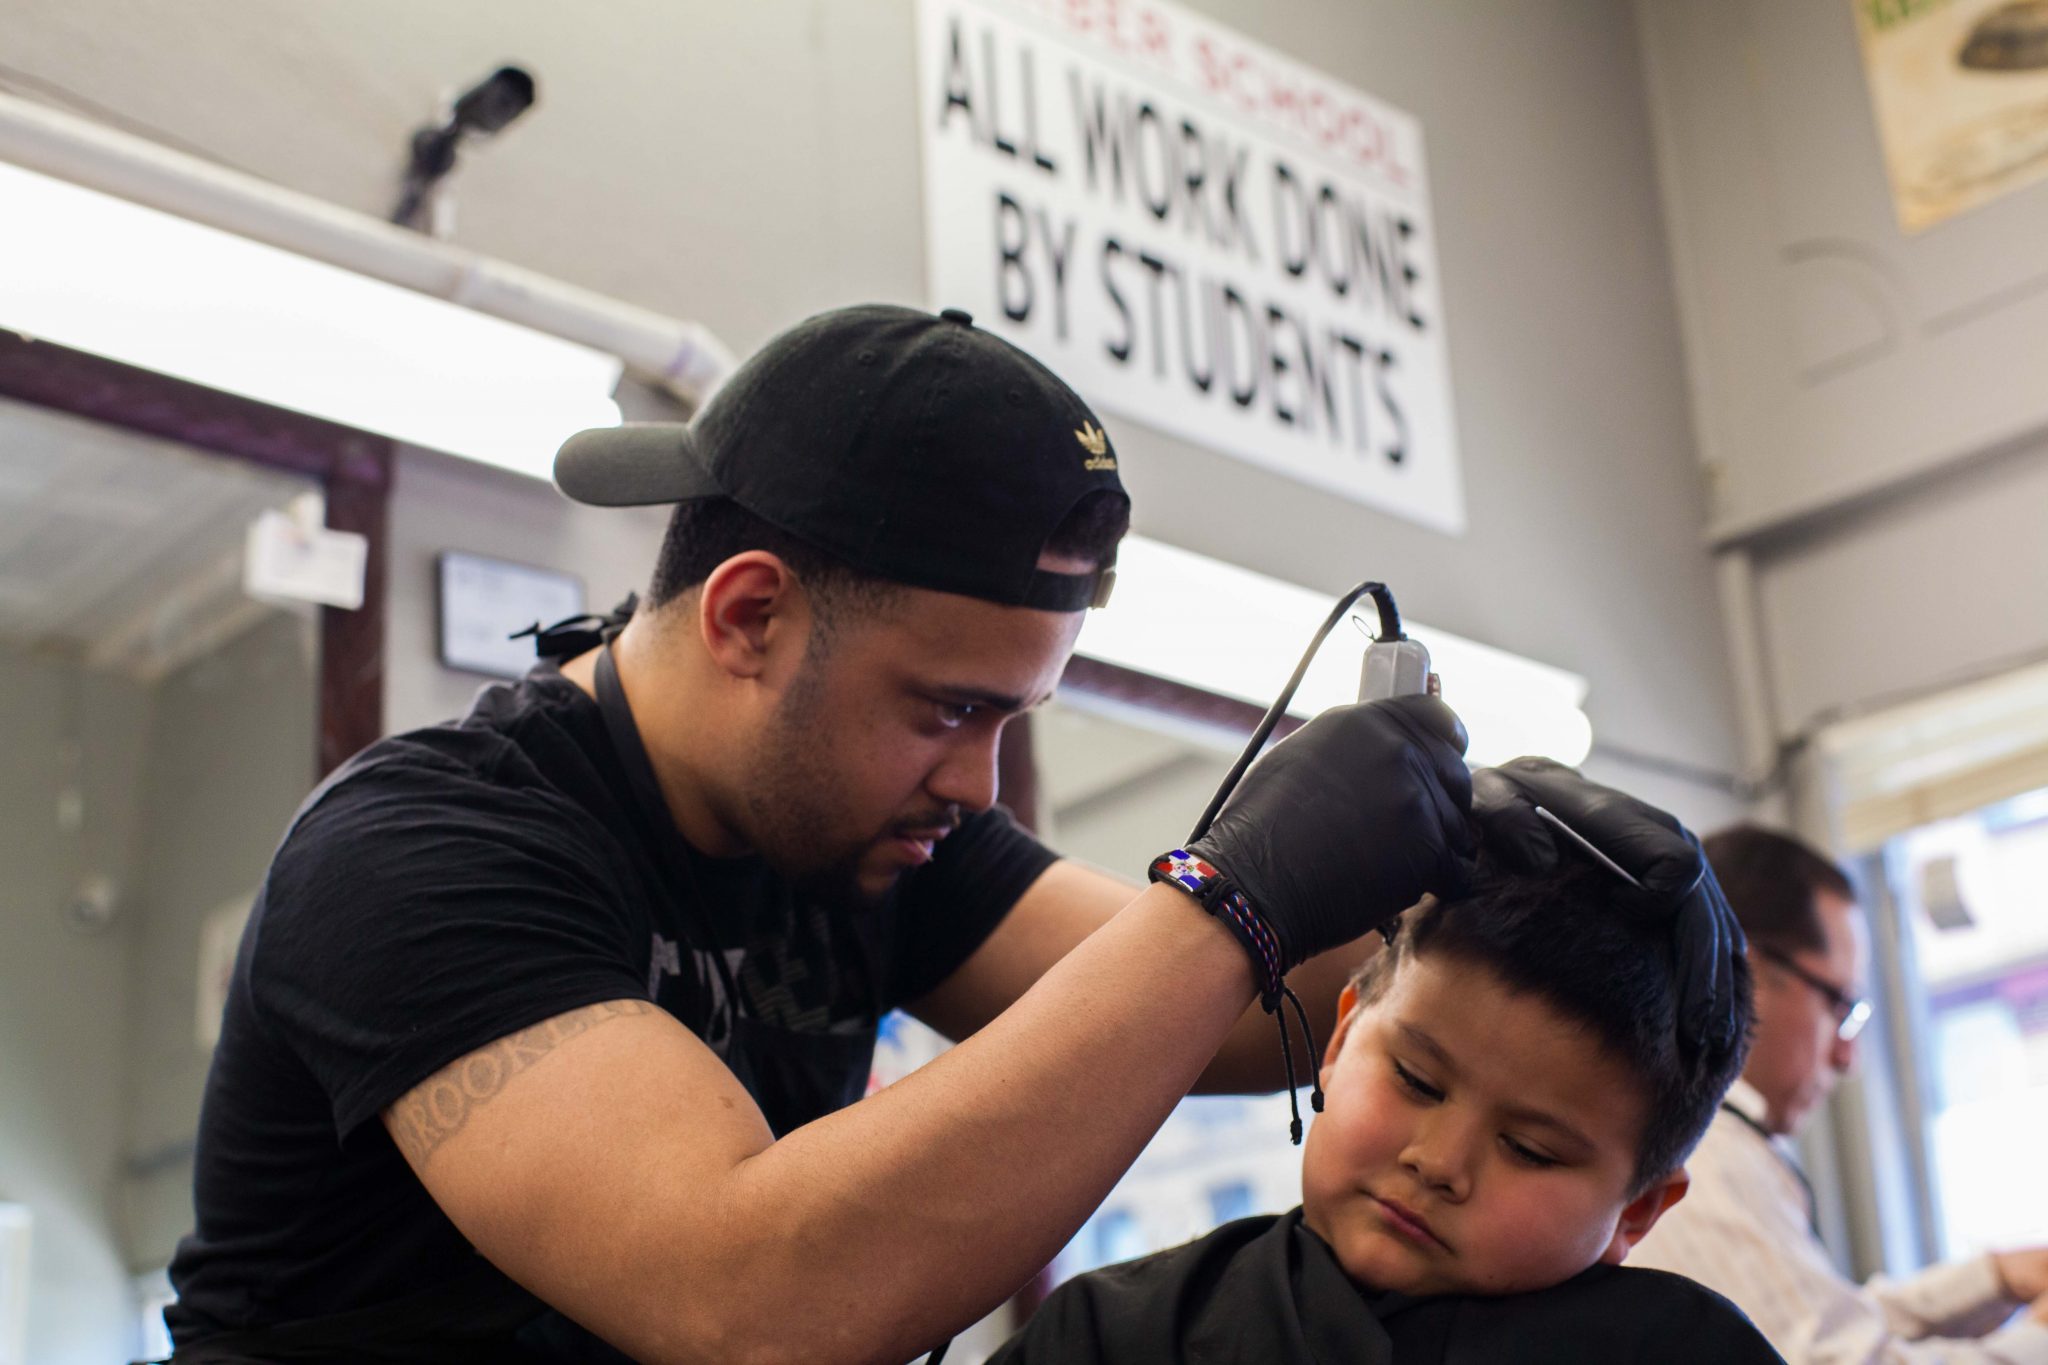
[452, 885]
[1268, 1291]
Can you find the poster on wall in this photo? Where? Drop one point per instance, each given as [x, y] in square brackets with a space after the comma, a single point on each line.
[1960, 90]
[1198, 233]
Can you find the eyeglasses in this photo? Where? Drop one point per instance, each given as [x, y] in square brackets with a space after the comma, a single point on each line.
[1851, 1014]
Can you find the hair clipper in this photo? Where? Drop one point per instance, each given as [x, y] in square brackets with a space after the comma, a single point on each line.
[1396, 666]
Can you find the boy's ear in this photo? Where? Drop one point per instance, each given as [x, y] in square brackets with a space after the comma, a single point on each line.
[1641, 1214]
[1347, 1010]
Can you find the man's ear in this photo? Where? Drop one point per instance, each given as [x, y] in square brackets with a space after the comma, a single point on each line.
[1642, 1213]
[746, 606]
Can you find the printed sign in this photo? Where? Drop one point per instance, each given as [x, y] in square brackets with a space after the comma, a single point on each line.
[291, 557]
[1960, 89]
[484, 601]
[1196, 232]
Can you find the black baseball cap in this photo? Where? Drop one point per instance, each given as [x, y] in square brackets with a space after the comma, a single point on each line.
[919, 449]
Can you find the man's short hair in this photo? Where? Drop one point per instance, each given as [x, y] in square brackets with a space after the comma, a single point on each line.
[1567, 938]
[705, 532]
[1772, 881]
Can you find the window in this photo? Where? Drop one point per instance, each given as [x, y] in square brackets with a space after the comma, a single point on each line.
[1230, 1201]
[1969, 894]
[1118, 1237]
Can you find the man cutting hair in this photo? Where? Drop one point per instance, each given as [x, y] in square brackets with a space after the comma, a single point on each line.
[545, 1037]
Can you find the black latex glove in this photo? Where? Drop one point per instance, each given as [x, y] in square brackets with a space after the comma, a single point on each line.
[1646, 842]
[1347, 822]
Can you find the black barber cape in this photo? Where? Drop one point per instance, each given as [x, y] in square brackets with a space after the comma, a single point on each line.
[451, 886]
[1268, 1291]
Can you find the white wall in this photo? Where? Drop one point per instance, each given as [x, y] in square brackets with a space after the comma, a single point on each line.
[185, 788]
[1871, 404]
[745, 165]
[441, 503]
[1932, 585]
[63, 994]
[230, 754]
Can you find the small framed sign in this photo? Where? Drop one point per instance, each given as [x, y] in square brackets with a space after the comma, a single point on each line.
[483, 601]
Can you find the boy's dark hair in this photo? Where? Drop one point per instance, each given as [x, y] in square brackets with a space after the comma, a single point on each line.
[1569, 939]
[1771, 880]
[705, 532]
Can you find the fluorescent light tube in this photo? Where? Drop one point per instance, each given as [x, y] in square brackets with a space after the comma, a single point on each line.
[97, 273]
[1224, 629]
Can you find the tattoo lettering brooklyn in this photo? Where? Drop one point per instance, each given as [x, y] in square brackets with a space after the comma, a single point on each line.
[438, 1107]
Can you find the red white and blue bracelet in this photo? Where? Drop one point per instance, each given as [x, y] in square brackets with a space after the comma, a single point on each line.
[1221, 898]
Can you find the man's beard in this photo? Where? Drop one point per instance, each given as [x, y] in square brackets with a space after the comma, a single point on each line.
[793, 821]
[797, 828]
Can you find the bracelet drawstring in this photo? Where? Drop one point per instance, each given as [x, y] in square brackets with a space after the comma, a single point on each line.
[1215, 893]
[1287, 1059]
[1272, 1002]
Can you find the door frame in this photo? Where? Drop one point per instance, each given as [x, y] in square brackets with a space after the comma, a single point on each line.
[352, 467]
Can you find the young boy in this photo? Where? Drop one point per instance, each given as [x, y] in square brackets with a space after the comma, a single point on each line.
[1508, 1112]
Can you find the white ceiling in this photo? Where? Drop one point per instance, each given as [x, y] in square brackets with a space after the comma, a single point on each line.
[121, 548]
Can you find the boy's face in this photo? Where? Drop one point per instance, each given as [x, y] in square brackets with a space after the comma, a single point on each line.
[1473, 1141]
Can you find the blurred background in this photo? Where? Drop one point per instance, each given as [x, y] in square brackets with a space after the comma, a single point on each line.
[1704, 439]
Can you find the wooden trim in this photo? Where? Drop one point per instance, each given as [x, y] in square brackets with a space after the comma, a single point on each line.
[1017, 772]
[352, 642]
[354, 469]
[1167, 697]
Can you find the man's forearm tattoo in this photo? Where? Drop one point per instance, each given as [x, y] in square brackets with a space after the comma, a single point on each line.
[438, 1107]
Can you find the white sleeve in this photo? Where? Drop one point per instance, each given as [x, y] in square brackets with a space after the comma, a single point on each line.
[1960, 1299]
[1741, 1230]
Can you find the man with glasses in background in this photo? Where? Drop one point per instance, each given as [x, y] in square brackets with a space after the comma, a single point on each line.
[1746, 1228]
